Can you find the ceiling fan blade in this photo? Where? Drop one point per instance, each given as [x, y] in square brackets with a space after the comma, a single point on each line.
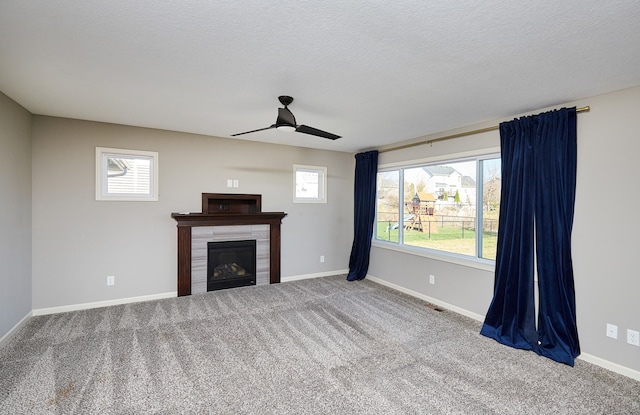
[314, 131]
[285, 117]
[254, 131]
[287, 121]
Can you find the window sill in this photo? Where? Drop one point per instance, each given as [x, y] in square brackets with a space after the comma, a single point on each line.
[477, 263]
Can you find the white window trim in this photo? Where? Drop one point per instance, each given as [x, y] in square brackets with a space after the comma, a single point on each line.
[445, 256]
[322, 185]
[102, 153]
[451, 257]
[444, 157]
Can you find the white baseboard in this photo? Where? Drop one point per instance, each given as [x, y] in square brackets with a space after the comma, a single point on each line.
[16, 327]
[426, 298]
[614, 367]
[317, 275]
[85, 306]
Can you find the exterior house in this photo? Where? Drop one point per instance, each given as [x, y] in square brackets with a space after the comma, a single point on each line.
[447, 180]
[443, 180]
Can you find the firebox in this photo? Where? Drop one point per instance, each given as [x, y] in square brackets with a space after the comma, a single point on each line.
[231, 264]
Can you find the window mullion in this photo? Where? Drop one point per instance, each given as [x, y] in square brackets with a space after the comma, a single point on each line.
[400, 208]
[479, 207]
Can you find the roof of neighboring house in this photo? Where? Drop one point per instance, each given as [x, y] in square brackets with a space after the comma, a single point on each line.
[468, 181]
[118, 163]
[426, 197]
[439, 170]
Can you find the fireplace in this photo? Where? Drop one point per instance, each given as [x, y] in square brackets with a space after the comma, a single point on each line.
[227, 217]
[231, 264]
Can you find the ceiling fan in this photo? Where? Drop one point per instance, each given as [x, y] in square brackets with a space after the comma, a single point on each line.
[286, 121]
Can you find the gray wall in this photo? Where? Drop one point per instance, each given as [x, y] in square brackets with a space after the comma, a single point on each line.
[15, 214]
[605, 234]
[78, 241]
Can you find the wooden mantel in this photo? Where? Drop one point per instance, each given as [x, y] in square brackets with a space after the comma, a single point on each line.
[230, 210]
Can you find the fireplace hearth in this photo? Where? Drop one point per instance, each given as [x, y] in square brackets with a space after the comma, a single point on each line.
[231, 264]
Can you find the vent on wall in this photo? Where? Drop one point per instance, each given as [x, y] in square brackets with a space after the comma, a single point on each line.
[435, 307]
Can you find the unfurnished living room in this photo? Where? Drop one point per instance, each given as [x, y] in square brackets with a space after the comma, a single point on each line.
[330, 207]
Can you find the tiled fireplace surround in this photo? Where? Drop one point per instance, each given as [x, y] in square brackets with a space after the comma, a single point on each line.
[200, 236]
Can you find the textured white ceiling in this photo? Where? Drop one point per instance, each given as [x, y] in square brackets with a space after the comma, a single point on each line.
[375, 72]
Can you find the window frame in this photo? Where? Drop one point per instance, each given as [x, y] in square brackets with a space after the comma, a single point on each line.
[322, 183]
[102, 156]
[466, 260]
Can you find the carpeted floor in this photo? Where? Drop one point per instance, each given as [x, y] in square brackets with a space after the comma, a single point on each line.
[319, 346]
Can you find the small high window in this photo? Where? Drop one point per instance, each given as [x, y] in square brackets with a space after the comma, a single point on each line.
[126, 174]
[309, 184]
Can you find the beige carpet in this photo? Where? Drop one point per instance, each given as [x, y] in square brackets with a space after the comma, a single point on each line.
[321, 346]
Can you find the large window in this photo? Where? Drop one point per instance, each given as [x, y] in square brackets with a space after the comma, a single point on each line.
[449, 206]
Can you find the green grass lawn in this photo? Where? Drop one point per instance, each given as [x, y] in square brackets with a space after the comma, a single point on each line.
[448, 238]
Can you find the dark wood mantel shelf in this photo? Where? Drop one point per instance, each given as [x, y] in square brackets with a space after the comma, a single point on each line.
[233, 210]
[222, 219]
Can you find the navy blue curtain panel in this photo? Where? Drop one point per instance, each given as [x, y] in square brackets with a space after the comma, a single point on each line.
[539, 159]
[364, 213]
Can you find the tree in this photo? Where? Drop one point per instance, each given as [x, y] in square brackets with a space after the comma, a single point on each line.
[491, 186]
[409, 191]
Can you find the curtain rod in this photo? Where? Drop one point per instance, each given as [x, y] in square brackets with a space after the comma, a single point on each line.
[448, 137]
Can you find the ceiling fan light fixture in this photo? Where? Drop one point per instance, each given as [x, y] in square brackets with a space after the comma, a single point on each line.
[287, 128]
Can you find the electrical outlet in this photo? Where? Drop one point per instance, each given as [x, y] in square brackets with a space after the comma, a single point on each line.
[236, 183]
[111, 280]
[321, 258]
[229, 182]
[633, 337]
[612, 331]
[432, 279]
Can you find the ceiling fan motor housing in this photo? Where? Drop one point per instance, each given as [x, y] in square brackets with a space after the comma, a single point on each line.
[285, 100]
[285, 120]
